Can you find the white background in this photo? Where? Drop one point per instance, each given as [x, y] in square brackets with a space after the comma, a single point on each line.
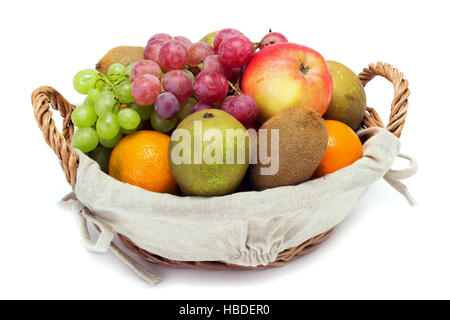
[385, 249]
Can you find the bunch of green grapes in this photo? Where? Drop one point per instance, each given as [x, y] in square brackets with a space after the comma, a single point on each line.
[107, 113]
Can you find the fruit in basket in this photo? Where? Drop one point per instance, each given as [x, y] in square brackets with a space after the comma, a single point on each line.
[186, 107]
[85, 139]
[116, 69]
[272, 38]
[162, 125]
[167, 105]
[129, 119]
[124, 54]
[145, 67]
[179, 83]
[199, 149]
[202, 106]
[348, 102]
[185, 41]
[141, 159]
[302, 141]
[123, 92]
[209, 38]
[198, 52]
[84, 116]
[224, 34]
[343, 149]
[151, 51]
[210, 86]
[108, 125]
[173, 55]
[85, 80]
[101, 156]
[144, 111]
[236, 51]
[242, 107]
[145, 89]
[285, 75]
[111, 143]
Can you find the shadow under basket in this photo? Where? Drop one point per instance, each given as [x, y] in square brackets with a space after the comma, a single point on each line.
[45, 98]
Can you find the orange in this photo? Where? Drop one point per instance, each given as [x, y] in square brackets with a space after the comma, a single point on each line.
[141, 159]
[344, 148]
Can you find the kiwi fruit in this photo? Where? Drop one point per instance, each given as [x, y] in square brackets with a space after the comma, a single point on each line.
[123, 54]
[303, 139]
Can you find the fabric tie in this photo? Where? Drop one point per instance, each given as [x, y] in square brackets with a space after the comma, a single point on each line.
[393, 177]
[105, 238]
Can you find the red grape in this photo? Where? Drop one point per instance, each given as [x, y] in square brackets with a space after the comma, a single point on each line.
[145, 67]
[198, 52]
[166, 106]
[272, 38]
[160, 36]
[236, 51]
[179, 83]
[222, 35]
[202, 106]
[173, 55]
[226, 102]
[210, 86]
[151, 51]
[243, 108]
[235, 75]
[183, 40]
[145, 89]
[212, 63]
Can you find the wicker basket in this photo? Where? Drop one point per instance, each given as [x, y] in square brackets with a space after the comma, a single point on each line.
[45, 97]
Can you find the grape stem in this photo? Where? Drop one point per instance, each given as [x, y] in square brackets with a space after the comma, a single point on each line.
[113, 84]
[235, 87]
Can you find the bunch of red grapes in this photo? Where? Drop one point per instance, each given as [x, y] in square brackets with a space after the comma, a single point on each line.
[179, 77]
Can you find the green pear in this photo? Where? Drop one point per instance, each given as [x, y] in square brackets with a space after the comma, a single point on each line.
[209, 38]
[348, 101]
[209, 153]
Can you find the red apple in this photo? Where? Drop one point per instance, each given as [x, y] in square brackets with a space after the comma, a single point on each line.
[284, 75]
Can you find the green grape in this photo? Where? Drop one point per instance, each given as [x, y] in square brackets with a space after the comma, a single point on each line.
[144, 111]
[105, 102]
[162, 125]
[106, 88]
[129, 119]
[123, 92]
[128, 68]
[101, 155]
[85, 80]
[85, 139]
[93, 94]
[139, 127]
[111, 142]
[190, 74]
[116, 69]
[126, 131]
[88, 102]
[186, 107]
[108, 125]
[84, 116]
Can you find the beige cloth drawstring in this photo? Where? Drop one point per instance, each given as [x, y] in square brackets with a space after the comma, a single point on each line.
[393, 177]
[105, 238]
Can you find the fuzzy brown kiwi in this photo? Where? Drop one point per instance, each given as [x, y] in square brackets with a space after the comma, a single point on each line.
[303, 139]
[123, 54]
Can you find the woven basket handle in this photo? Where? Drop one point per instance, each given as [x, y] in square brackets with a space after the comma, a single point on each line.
[42, 99]
[399, 105]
